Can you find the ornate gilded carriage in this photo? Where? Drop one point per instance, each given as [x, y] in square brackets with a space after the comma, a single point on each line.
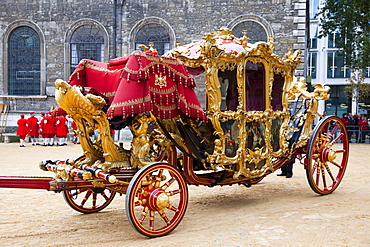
[257, 118]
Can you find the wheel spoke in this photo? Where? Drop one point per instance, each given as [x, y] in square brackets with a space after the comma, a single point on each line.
[334, 130]
[104, 195]
[328, 170]
[151, 220]
[168, 183]
[94, 200]
[323, 177]
[173, 208]
[317, 174]
[88, 194]
[148, 181]
[164, 216]
[174, 192]
[143, 215]
[314, 167]
[335, 140]
[138, 203]
[326, 127]
[158, 178]
[336, 164]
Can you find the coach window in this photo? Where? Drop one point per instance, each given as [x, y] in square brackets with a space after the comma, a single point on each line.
[277, 91]
[255, 86]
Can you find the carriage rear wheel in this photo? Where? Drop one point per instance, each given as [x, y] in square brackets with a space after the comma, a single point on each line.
[327, 155]
[156, 199]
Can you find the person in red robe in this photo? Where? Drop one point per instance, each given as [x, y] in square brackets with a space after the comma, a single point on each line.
[33, 128]
[75, 133]
[49, 129]
[22, 129]
[43, 121]
[61, 130]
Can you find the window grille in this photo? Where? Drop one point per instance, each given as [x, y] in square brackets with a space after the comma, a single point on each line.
[24, 62]
[255, 32]
[87, 42]
[154, 33]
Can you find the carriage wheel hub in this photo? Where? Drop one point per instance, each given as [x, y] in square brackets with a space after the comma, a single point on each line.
[328, 155]
[158, 199]
[332, 155]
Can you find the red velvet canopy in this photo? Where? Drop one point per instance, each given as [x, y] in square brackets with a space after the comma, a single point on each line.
[142, 82]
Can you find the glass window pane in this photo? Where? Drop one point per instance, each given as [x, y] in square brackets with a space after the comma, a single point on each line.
[255, 86]
[229, 90]
[330, 64]
[277, 91]
[333, 40]
[155, 33]
[312, 64]
[313, 35]
[337, 67]
[255, 32]
[314, 8]
[338, 103]
[87, 42]
[24, 62]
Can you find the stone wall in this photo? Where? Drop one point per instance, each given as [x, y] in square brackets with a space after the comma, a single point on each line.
[189, 20]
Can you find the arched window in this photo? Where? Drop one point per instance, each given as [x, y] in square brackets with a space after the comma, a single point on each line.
[24, 62]
[87, 42]
[255, 32]
[153, 33]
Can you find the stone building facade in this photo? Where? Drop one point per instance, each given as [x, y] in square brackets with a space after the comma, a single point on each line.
[53, 35]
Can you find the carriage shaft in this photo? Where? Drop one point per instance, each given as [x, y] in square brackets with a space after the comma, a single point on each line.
[23, 182]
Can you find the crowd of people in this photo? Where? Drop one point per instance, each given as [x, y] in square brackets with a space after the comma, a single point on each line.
[48, 127]
[356, 125]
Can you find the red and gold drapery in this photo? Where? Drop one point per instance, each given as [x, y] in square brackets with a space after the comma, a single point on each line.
[142, 82]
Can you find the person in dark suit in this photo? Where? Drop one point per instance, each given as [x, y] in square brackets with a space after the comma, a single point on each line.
[287, 170]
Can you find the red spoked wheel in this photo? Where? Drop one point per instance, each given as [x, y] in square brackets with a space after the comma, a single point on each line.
[156, 199]
[327, 155]
[88, 200]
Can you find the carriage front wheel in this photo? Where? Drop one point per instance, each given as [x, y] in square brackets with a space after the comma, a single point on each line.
[327, 155]
[88, 200]
[156, 199]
